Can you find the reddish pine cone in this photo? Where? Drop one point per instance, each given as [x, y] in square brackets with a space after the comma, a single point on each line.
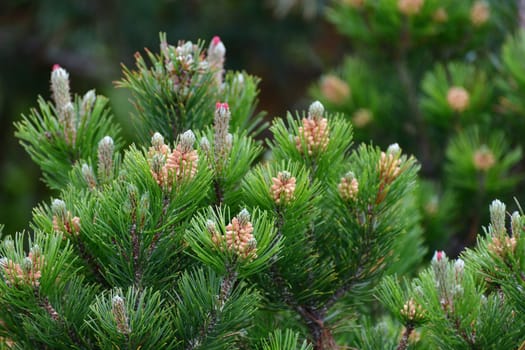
[458, 98]
[283, 187]
[239, 236]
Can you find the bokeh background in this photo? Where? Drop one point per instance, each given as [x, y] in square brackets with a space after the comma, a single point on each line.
[285, 42]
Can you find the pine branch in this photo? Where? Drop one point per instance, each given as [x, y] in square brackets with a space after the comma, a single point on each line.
[219, 194]
[225, 291]
[160, 231]
[403, 343]
[91, 263]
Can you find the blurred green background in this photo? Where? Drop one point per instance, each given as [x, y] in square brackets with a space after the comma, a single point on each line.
[287, 46]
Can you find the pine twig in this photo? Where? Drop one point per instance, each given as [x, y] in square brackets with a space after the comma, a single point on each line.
[403, 343]
[224, 293]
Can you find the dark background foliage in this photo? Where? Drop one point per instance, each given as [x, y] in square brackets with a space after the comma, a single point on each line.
[92, 38]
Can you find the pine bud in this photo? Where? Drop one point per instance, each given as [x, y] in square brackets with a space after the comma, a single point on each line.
[62, 97]
[244, 217]
[58, 207]
[105, 158]
[502, 245]
[334, 89]
[60, 87]
[314, 133]
[362, 117]
[390, 164]
[216, 237]
[89, 176]
[459, 267]
[497, 219]
[458, 98]
[410, 7]
[183, 161]
[515, 224]
[88, 101]
[394, 150]
[283, 187]
[348, 187]
[120, 315]
[439, 256]
[157, 141]
[205, 145]
[239, 236]
[411, 310]
[221, 125]
[26, 265]
[187, 140]
[316, 110]
[238, 81]
[479, 13]
[216, 54]
[440, 15]
[483, 158]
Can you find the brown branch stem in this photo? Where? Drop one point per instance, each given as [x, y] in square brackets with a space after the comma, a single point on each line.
[403, 343]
